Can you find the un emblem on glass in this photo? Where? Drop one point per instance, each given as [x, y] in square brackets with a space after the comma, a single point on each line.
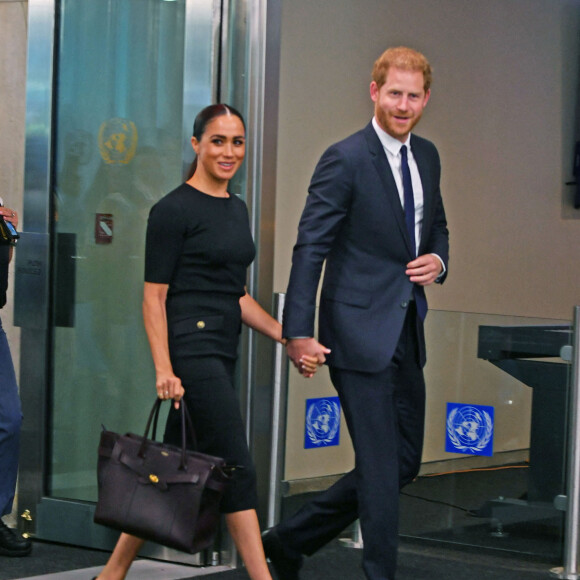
[469, 429]
[322, 424]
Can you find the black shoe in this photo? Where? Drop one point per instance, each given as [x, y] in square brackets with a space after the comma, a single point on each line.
[285, 566]
[12, 543]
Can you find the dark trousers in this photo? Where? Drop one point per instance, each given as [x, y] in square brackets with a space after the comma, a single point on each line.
[385, 413]
[10, 421]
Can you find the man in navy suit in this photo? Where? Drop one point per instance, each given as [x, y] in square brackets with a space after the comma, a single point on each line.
[374, 214]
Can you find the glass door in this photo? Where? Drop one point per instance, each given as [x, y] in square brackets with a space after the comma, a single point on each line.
[118, 150]
[129, 77]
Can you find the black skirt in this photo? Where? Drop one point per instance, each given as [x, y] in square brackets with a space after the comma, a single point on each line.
[215, 410]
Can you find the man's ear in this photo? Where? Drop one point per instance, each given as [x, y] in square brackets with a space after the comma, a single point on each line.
[374, 89]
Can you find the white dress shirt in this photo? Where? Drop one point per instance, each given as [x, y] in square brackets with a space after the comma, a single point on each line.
[392, 149]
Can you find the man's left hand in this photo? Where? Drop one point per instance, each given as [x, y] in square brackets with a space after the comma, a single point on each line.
[424, 270]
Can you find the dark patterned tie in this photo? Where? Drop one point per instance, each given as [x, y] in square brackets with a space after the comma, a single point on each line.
[409, 202]
[409, 199]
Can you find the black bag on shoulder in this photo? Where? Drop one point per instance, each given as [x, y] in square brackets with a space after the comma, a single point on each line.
[160, 492]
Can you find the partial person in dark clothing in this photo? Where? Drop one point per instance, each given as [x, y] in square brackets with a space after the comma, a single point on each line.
[11, 543]
[198, 248]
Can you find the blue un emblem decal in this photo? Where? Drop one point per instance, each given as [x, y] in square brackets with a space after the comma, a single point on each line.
[322, 424]
[469, 429]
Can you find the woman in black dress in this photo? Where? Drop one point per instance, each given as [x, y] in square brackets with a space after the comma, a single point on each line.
[198, 248]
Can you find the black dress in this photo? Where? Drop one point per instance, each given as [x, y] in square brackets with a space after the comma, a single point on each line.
[201, 246]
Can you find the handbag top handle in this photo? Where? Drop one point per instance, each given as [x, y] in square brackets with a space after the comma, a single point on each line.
[185, 418]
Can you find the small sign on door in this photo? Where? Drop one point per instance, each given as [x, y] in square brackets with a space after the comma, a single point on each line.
[104, 228]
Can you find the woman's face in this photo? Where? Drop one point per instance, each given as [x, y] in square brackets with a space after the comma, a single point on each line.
[222, 147]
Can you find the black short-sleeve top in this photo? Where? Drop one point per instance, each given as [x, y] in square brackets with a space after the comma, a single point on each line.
[201, 246]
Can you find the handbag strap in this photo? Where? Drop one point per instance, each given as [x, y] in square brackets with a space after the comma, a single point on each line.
[185, 419]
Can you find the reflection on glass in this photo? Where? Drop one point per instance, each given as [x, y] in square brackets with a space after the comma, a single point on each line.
[507, 379]
[118, 150]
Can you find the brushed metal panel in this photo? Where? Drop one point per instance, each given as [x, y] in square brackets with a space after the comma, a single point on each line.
[31, 262]
[31, 281]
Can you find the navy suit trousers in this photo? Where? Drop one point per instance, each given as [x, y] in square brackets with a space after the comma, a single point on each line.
[385, 413]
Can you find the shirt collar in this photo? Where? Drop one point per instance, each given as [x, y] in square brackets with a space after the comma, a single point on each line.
[392, 145]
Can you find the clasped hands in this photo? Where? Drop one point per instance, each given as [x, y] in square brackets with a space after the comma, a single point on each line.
[307, 354]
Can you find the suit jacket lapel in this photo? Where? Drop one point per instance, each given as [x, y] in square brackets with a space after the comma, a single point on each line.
[381, 163]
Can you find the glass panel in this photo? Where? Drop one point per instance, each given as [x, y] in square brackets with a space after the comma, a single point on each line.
[118, 150]
[494, 456]
[236, 80]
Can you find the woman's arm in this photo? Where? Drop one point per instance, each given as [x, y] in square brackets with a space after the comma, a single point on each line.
[155, 318]
[257, 318]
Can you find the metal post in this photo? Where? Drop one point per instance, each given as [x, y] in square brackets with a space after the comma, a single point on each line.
[570, 569]
[279, 398]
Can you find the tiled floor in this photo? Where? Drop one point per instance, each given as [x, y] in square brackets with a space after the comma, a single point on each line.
[417, 561]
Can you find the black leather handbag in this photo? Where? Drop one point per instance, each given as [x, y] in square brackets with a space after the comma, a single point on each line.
[160, 492]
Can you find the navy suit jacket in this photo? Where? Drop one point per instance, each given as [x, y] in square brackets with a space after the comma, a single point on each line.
[354, 220]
